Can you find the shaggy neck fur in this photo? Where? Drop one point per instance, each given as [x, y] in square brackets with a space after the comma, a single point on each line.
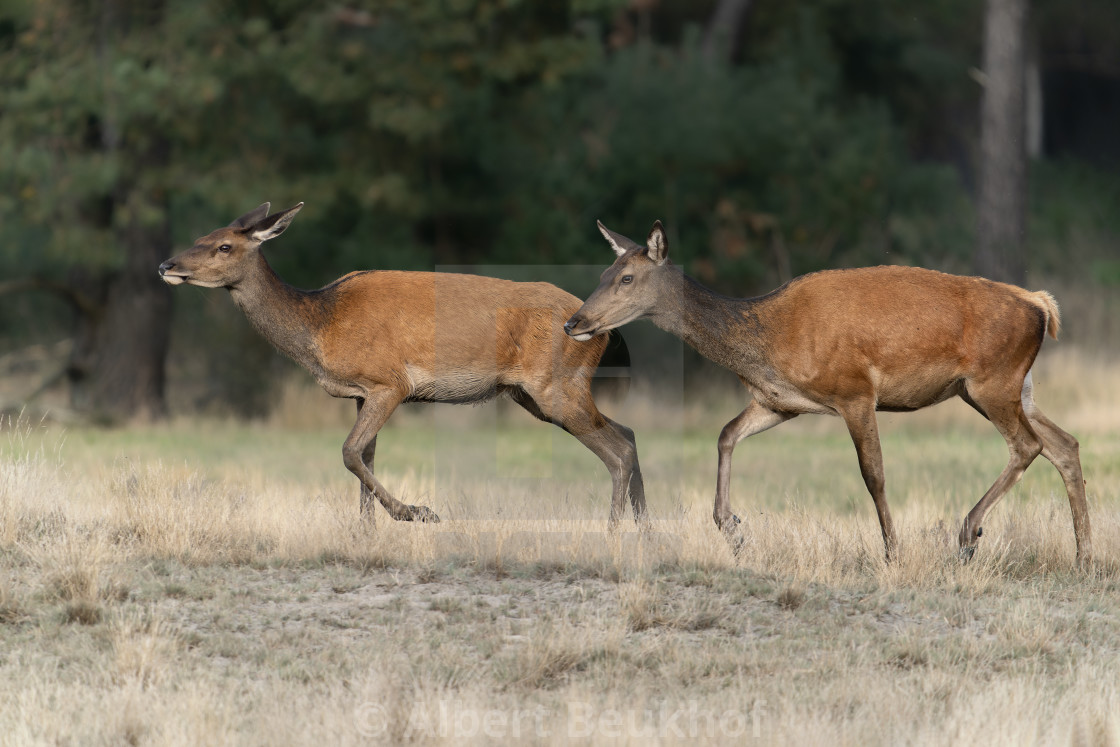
[722, 329]
[287, 317]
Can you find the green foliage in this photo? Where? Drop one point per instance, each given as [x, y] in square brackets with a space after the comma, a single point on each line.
[451, 132]
[433, 132]
[748, 165]
[1074, 225]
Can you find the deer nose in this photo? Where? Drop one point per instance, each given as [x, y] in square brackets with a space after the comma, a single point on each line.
[570, 325]
[166, 266]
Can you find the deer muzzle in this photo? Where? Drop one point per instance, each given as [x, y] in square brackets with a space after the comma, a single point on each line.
[166, 271]
[578, 328]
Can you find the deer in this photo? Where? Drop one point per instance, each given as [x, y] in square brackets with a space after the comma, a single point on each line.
[849, 343]
[383, 338]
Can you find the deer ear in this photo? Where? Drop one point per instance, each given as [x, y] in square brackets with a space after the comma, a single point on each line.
[657, 244]
[273, 225]
[251, 217]
[618, 242]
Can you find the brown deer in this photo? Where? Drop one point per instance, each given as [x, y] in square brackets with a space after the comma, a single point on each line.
[383, 338]
[848, 343]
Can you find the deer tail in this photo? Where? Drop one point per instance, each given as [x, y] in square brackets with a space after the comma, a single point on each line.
[1049, 307]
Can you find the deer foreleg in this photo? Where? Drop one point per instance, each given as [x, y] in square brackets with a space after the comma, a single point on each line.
[754, 419]
[864, 430]
[373, 411]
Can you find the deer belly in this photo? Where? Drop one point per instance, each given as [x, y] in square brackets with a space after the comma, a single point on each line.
[782, 397]
[453, 385]
[904, 394]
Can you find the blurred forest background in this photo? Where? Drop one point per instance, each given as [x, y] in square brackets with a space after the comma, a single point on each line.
[772, 138]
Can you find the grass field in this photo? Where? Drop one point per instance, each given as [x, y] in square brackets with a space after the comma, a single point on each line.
[208, 582]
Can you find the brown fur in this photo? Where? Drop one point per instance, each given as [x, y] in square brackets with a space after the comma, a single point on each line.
[849, 343]
[384, 337]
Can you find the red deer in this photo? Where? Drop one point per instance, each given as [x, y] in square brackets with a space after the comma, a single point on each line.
[848, 343]
[382, 338]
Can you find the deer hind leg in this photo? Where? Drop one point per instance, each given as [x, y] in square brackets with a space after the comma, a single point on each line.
[863, 427]
[614, 444]
[357, 453]
[367, 500]
[755, 418]
[1005, 410]
[1063, 451]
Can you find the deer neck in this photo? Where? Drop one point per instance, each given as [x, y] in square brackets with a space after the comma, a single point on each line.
[287, 317]
[724, 330]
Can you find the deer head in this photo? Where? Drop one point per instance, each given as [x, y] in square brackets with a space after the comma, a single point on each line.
[630, 288]
[221, 258]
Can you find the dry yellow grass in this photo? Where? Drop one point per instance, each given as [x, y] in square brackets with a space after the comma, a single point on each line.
[209, 583]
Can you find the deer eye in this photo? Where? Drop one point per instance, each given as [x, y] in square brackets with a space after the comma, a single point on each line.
[627, 279]
[225, 248]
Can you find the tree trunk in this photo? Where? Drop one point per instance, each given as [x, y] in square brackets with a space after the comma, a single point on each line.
[721, 36]
[128, 375]
[117, 371]
[1002, 203]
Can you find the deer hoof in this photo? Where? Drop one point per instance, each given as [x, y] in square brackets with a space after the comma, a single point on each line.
[1084, 562]
[734, 535]
[422, 514]
[729, 524]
